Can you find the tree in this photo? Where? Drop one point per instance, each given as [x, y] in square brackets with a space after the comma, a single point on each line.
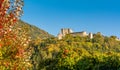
[13, 46]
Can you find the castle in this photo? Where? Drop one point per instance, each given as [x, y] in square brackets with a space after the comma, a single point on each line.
[66, 31]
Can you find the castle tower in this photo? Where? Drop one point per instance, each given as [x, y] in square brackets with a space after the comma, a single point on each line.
[90, 35]
[63, 32]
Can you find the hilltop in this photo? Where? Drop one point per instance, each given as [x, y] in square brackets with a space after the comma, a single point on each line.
[33, 31]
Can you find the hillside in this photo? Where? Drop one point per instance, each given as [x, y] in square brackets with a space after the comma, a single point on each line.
[79, 53]
[46, 53]
[33, 31]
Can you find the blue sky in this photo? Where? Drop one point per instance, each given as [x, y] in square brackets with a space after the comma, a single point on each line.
[80, 15]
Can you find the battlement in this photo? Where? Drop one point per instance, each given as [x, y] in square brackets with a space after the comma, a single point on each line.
[66, 31]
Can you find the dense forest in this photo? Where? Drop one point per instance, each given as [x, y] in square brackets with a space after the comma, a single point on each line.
[77, 53]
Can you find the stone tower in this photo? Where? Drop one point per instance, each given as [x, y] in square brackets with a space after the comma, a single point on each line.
[90, 35]
[63, 32]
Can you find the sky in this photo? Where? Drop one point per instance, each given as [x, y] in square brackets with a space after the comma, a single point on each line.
[79, 15]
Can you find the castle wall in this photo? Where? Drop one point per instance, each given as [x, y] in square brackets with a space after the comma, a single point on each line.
[66, 31]
[82, 34]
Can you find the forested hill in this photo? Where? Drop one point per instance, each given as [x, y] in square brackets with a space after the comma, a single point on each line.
[32, 31]
[79, 53]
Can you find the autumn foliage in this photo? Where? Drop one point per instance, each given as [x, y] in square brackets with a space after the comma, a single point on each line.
[79, 53]
[17, 52]
[13, 45]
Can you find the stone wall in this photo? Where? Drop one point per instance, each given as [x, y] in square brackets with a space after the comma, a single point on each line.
[66, 31]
